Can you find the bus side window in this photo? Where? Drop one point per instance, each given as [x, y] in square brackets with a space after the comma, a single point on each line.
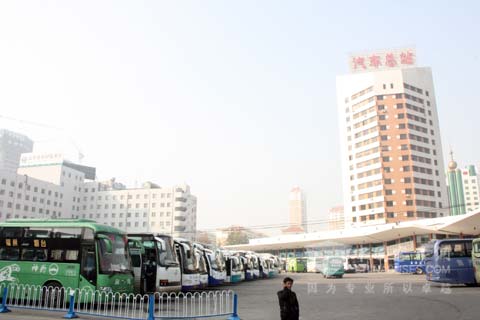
[12, 254]
[28, 254]
[57, 255]
[459, 250]
[468, 247]
[445, 250]
[40, 255]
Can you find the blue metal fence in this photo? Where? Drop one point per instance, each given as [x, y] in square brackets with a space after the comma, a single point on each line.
[74, 302]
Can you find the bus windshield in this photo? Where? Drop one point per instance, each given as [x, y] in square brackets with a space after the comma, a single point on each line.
[429, 249]
[116, 258]
[167, 256]
[476, 247]
[404, 256]
[201, 265]
[189, 261]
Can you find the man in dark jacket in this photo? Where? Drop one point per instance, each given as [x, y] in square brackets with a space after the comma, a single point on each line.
[287, 299]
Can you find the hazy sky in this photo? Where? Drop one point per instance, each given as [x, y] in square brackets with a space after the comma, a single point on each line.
[235, 98]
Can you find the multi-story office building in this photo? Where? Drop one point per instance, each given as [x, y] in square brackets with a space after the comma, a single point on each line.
[48, 186]
[471, 188]
[390, 136]
[298, 209]
[170, 210]
[12, 145]
[336, 218]
[22, 196]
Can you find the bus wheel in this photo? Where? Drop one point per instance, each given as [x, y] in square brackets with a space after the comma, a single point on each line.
[53, 295]
[419, 271]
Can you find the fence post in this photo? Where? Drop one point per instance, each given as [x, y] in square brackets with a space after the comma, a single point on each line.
[234, 315]
[71, 313]
[151, 305]
[3, 306]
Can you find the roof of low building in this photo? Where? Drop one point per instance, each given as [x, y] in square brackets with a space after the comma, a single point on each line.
[462, 224]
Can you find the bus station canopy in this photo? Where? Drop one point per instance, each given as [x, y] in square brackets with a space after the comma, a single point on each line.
[467, 224]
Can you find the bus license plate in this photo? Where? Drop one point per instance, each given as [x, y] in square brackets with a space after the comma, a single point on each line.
[164, 282]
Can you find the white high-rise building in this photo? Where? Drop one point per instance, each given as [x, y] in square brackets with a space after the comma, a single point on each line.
[12, 145]
[390, 140]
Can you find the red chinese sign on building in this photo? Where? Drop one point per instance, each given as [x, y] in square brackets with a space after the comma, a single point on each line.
[382, 60]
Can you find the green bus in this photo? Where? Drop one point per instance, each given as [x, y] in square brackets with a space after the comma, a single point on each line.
[70, 253]
[297, 264]
[332, 267]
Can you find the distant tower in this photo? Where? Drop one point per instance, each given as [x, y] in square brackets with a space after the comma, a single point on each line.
[298, 209]
[455, 188]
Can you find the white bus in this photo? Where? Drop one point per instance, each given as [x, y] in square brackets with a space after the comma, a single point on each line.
[156, 265]
[234, 268]
[188, 262]
[201, 265]
[216, 266]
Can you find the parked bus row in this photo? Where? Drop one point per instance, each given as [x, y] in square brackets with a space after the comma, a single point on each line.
[329, 267]
[453, 261]
[165, 264]
[83, 254]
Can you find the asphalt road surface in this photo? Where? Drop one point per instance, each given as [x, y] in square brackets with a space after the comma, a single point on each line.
[361, 296]
[356, 296]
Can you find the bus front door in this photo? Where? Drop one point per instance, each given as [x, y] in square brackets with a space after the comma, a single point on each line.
[89, 267]
[150, 271]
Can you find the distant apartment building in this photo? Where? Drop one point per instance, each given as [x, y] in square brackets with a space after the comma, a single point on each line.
[46, 186]
[336, 218]
[463, 188]
[297, 205]
[12, 145]
[390, 140]
[170, 210]
[49, 186]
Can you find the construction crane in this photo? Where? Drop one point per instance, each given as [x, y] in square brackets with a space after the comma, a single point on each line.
[80, 154]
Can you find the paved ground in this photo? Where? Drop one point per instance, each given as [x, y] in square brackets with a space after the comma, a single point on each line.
[356, 296]
[361, 296]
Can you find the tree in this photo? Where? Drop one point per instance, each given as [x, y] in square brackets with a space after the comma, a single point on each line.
[236, 237]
